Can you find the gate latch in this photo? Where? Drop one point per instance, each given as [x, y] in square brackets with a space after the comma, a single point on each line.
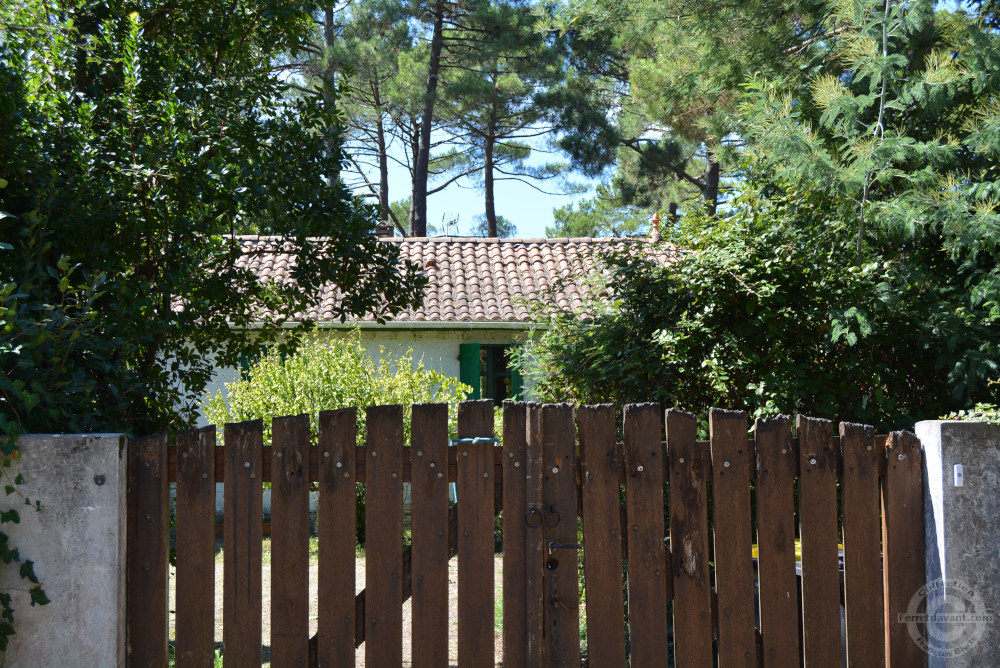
[563, 546]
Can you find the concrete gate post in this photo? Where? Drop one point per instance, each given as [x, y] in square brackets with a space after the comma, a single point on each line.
[962, 529]
[78, 545]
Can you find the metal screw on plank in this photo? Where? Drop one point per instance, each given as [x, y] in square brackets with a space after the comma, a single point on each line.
[465, 453]
[204, 475]
[246, 465]
[555, 469]
[184, 454]
[326, 454]
[432, 464]
[99, 480]
[374, 454]
[340, 465]
[440, 475]
[395, 475]
[681, 460]
[277, 454]
[420, 453]
[346, 474]
[726, 464]
[784, 451]
[639, 468]
[901, 456]
[812, 460]
[517, 465]
[486, 475]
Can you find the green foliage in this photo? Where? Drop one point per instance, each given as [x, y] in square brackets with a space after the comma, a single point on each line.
[979, 413]
[601, 216]
[328, 373]
[772, 315]
[505, 228]
[134, 141]
[325, 374]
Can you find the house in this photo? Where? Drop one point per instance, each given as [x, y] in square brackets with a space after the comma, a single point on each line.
[481, 300]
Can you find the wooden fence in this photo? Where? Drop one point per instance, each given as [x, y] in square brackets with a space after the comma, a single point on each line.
[699, 599]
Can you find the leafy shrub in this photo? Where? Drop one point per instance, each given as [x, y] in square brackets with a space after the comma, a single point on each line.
[326, 374]
[980, 413]
[770, 313]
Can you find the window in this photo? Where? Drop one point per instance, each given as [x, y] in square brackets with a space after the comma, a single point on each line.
[487, 369]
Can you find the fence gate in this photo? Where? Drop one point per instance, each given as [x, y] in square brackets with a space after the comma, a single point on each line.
[765, 551]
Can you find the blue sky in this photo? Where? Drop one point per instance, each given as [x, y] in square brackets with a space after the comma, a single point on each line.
[529, 209]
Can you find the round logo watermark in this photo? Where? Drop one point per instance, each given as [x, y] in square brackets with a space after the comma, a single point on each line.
[955, 619]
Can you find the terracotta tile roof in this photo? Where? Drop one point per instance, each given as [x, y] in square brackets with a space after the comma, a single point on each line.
[473, 279]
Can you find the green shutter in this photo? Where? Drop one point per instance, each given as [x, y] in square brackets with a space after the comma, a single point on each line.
[468, 365]
[516, 385]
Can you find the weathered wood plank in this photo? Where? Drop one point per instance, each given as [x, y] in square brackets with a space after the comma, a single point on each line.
[290, 542]
[429, 451]
[600, 460]
[242, 538]
[647, 604]
[779, 601]
[862, 546]
[194, 643]
[475, 535]
[562, 609]
[689, 543]
[903, 542]
[534, 550]
[733, 538]
[148, 513]
[384, 537]
[515, 629]
[819, 532]
[336, 526]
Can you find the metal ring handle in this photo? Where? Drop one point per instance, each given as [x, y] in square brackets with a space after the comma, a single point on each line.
[527, 518]
[550, 513]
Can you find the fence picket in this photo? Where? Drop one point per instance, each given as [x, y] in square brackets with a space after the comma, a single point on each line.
[689, 543]
[194, 644]
[779, 601]
[147, 551]
[562, 599]
[600, 461]
[534, 547]
[862, 546]
[647, 604]
[475, 535]
[903, 541]
[515, 630]
[429, 457]
[384, 537]
[290, 542]
[336, 527]
[820, 564]
[535, 479]
[242, 537]
[733, 538]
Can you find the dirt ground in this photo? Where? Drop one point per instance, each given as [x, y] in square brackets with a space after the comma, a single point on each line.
[360, 580]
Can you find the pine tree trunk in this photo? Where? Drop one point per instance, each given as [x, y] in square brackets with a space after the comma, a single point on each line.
[414, 152]
[710, 192]
[418, 224]
[329, 77]
[491, 214]
[383, 158]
